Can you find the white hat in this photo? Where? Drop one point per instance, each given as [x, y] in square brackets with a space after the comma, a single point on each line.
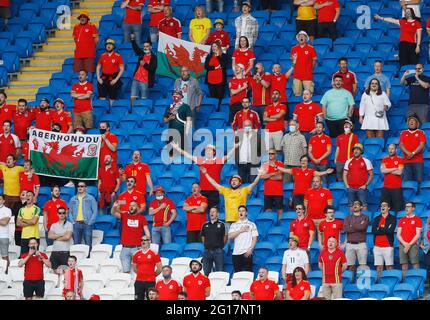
[304, 33]
[240, 65]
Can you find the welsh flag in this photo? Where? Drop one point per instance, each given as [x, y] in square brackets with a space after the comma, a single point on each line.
[174, 53]
[74, 156]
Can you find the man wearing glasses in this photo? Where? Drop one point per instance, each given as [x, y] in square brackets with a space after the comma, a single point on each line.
[131, 194]
[82, 214]
[303, 227]
[144, 262]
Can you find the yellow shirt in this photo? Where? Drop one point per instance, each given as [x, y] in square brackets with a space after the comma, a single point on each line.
[27, 214]
[233, 199]
[80, 216]
[199, 27]
[306, 13]
[11, 180]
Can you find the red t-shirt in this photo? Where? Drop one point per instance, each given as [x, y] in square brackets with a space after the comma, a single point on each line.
[8, 145]
[345, 143]
[273, 187]
[302, 180]
[168, 291]
[382, 240]
[327, 14]
[428, 23]
[146, 262]
[221, 37]
[157, 17]
[264, 290]
[6, 113]
[4, 3]
[304, 64]
[84, 35]
[215, 76]
[332, 265]
[408, 30]
[111, 62]
[349, 79]
[243, 57]
[104, 149]
[298, 292]
[235, 84]
[260, 95]
[279, 83]
[132, 228]
[134, 16]
[241, 116]
[64, 119]
[306, 115]
[214, 167]
[195, 220]
[83, 105]
[162, 216]
[320, 146]
[34, 267]
[411, 140]
[28, 184]
[44, 119]
[171, 27]
[26, 150]
[409, 227]
[271, 110]
[317, 200]
[128, 197]
[357, 172]
[330, 229]
[108, 178]
[195, 286]
[301, 229]
[21, 122]
[140, 171]
[392, 181]
[142, 75]
[51, 208]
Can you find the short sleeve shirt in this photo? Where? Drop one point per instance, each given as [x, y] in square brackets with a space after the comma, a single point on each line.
[168, 291]
[418, 94]
[158, 16]
[332, 265]
[132, 228]
[243, 57]
[330, 229]
[409, 227]
[140, 171]
[357, 171]
[327, 14]
[146, 262]
[304, 63]
[411, 140]
[337, 102]
[195, 220]
[84, 35]
[111, 62]
[264, 290]
[195, 286]
[64, 119]
[345, 142]
[233, 199]
[272, 110]
[243, 242]
[171, 27]
[83, 105]
[199, 28]
[8, 145]
[408, 30]
[162, 216]
[214, 167]
[298, 292]
[392, 181]
[134, 16]
[301, 229]
[306, 115]
[33, 269]
[61, 229]
[317, 200]
[320, 145]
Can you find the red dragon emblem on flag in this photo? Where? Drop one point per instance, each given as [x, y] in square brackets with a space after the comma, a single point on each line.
[67, 156]
[180, 57]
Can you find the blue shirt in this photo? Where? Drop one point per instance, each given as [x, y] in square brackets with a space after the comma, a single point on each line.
[383, 80]
[425, 239]
[337, 102]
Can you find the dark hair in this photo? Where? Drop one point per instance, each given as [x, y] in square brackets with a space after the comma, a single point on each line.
[73, 257]
[167, 266]
[300, 204]
[384, 201]
[379, 92]
[304, 156]
[65, 211]
[214, 207]
[247, 42]
[413, 16]
[237, 292]
[319, 122]
[10, 154]
[8, 121]
[55, 186]
[378, 61]
[246, 98]
[342, 59]
[359, 201]
[33, 238]
[328, 208]
[218, 45]
[107, 123]
[153, 290]
[411, 202]
[246, 209]
[304, 277]
[195, 183]
[338, 76]
[30, 191]
[86, 73]
[28, 161]
[264, 267]
[4, 93]
[22, 100]
[2, 195]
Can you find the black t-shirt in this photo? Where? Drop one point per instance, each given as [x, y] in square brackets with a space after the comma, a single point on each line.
[418, 94]
[214, 235]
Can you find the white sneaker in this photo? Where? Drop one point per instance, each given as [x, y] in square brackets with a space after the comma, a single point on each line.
[69, 184]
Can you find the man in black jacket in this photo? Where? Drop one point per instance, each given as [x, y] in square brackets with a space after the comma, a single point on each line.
[383, 230]
[144, 75]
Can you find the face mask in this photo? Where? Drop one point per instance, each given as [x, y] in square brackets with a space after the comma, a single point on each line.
[247, 129]
[55, 130]
[79, 132]
[347, 130]
[43, 108]
[292, 128]
[159, 198]
[176, 99]
[102, 131]
[146, 51]
[166, 276]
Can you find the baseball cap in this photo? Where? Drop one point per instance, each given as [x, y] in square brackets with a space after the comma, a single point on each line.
[159, 188]
[219, 20]
[358, 146]
[304, 33]
[59, 100]
[246, 3]
[178, 92]
[349, 122]
[110, 41]
[294, 238]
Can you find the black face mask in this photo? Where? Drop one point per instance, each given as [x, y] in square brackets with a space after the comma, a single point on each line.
[55, 130]
[102, 131]
[43, 108]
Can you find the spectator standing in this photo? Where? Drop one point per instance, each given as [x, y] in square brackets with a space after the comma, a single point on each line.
[61, 117]
[6, 110]
[273, 186]
[141, 172]
[15, 210]
[278, 80]
[132, 23]
[73, 279]
[294, 257]
[244, 55]
[303, 228]
[357, 176]
[425, 245]
[408, 233]
[86, 37]
[294, 147]
[260, 87]
[168, 288]
[274, 116]
[245, 114]
[307, 114]
[147, 266]
[412, 142]
[383, 229]
[196, 285]
[349, 77]
[214, 238]
[5, 216]
[332, 262]
[61, 235]
[299, 288]
[320, 149]
[170, 25]
[210, 5]
[132, 194]
[200, 26]
[263, 288]
[43, 115]
[9, 143]
[22, 119]
[82, 214]
[410, 36]
[82, 93]
[305, 62]
[338, 106]
[419, 88]
[5, 11]
[28, 219]
[344, 148]
[133, 227]
[329, 227]
[156, 10]
[328, 13]
[413, 4]
[195, 206]
[164, 213]
[392, 168]
[374, 105]
[246, 25]
[50, 211]
[219, 35]
[216, 71]
[33, 260]
[428, 31]
[238, 87]
[245, 234]
[10, 175]
[306, 17]
[109, 143]
[384, 81]
[29, 180]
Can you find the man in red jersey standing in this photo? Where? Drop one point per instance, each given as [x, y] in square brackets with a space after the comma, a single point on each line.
[196, 285]
[86, 36]
[6, 110]
[307, 114]
[82, 92]
[62, 117]
[141, 172]
[22, 119]
[156, 9]
[344, 148]
[44, 115]
[50, 215]
[329, 227]
[195, 206]
[392, 169]
[168, 288]
[320, 149]
[109, 182]
[132, 194]
[306, 61]
[274, 117]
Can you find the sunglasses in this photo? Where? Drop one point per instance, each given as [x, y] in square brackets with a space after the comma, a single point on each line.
[270, 153]
[145, 240]
[81, 186]
[61, 213]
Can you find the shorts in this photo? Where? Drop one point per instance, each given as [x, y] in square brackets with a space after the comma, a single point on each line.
[300, 85]
[332, 291]
[383, 255]
[274, 139]
[139, 90]
[273, 201]
[412, 256]
[354, 252]
[310, 26]
[86, 64]
[357, 194]
[84, 119]
[106, 89]
[59, 258]
[4, 247]
[34, 287]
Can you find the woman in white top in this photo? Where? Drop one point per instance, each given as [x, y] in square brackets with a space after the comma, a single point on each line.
[373, 110]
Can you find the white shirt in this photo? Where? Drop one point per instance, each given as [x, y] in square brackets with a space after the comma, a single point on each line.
[4, 230]
[243, 242]
[295, 258]
[245, 150]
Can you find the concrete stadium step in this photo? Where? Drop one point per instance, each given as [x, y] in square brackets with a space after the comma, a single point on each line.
[95, 18]
[34, 76]
[42, 69]
[31, 84]
[46, 62]
[60, 41]
[13, 98]
[54, 55]
[95, 4]
[95, 11]
[64, 34]
[54, 48]
[22, 91]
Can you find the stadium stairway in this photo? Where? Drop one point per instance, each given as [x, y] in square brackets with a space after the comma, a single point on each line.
[53, 53]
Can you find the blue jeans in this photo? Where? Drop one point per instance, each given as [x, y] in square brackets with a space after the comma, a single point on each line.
[136, 29]
[413, 171]
[209, 5]
[82, 230]
[139, 89]
[161, 235]
[213, 256]
[49, 242]
[357, 194]
[125, 256]
[153, 34]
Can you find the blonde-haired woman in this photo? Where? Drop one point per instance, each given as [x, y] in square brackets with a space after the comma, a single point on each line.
[200, 26]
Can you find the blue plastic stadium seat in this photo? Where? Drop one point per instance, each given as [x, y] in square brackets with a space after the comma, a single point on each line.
[378, 291]
[351, 291]
[265, 221]
[170, 250]
[391, 278]
[193, 250]
[105, 223]
[409, 189]
[417, 278]
[262, 251]
[112, 237]
[274, 263]
[404, 291]
[277, 235]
